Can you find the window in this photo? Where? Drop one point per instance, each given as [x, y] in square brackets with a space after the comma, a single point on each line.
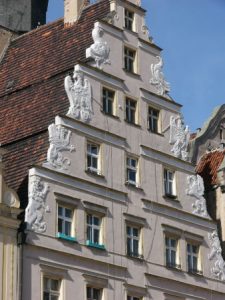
[133, 241]
[94, 294]
[93, 159]
[65, 221]
[171, 247]
[108, 101]
[51, 289]
[94, 234]
[129, 59]
[129, 19]
[153, 120]
[193, 258]
[132, 170]
[131, 110]
[169, 183]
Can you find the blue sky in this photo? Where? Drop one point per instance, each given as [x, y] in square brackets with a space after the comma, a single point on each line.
[192, 34]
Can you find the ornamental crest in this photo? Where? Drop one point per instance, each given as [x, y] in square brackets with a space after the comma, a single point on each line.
[59, 138]
[78, 91]
[34, 213]
[179, 137]
[196, 189]
[158, 79]
[99, 51]
[218, 270]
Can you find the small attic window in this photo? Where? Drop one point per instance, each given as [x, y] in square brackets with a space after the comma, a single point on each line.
[9, 85]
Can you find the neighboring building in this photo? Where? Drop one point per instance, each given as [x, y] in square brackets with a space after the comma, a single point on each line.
[114, 209]
[209, 152]
[22, 15]
[10, 260]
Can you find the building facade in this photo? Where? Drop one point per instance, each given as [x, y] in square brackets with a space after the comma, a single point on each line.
[114, 208]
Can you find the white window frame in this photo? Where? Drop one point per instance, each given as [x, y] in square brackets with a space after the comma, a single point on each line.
[169, 183]
[52, 292]
[152, 118]
[132, 238]
[129, 19]
[93, 156]
[94, 227]
[130, 168]
[193, 255]
[113, 100]
[170, 248]
[130, 60]
[92, 288]
[66, 219]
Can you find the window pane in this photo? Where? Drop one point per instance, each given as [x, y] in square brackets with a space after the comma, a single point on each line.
[96, 236]
[54, 285]
[129, 249]
[60, 222]
[46, 296]
[89, 233]
[67, 228]
[96, 221]
[68, 213]
[135, 232]
[88, 292]
[135, 247]
[60, 210]
[131, 175]
[94, 163]
[94, 149]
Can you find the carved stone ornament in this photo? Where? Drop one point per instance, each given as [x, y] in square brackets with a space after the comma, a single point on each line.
[158, 79]
[59, 138]
[99, 51]
[179, 137]
[36, 209]
[218, 270]
[196, 189]
[111, 17]
[78, 91]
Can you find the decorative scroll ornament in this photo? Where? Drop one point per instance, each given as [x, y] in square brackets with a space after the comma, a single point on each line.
[196, 189]
[99, 51]
[179, 137]
[59, 138]
[158, 79]
[79, 93]
[218, 270]
[111, 17]
[34, 214]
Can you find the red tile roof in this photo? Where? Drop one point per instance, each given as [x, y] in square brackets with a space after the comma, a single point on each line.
[31, 88]
[208, 165]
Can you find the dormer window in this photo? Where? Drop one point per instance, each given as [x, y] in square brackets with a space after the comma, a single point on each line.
[129, 19]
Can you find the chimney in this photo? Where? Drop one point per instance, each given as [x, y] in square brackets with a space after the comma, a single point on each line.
[72, 10]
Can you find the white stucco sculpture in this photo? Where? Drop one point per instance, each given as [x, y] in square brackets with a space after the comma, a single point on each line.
[59, 138]
[100, 50]
[78, 91]
[179, 137]
[158, 79]
[36, 208]
[218, 270]
[196, 189]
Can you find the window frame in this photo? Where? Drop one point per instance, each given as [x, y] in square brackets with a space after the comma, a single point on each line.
[167, 181]
[192, 270]
[129, 168]
[152, 117]
[92, 292]
[133, 238]
[105, 111]
[176, 238]
[98, 157]
[130, 60]
[131, 112]
[56, 293]
[129, 20]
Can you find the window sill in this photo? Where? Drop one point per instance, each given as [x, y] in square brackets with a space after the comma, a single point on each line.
[174, 267]
[134, 256]
[109, 115]
[170, 197]
[91, 172]
[95, 245]
[66, 237]
[157, 133]
[131, 73]
[195, 272]
[132, 124]
[133, 185]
